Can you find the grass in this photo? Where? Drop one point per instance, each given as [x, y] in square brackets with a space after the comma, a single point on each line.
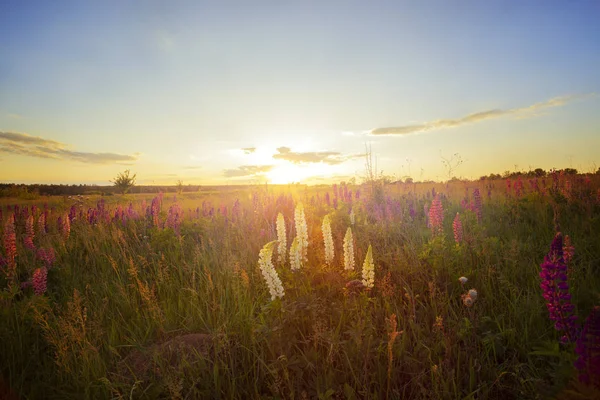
[125, 291]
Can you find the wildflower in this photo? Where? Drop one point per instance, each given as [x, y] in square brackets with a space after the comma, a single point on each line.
[477, 207]
[10, 247]
[588, 350]
[301, 231]
[295, 255]
[568, 249]
[348, 250]
[368, 271]
[352, 217]
[38, 281]
[47, 256]
[468, 300]
[268, 271]
[65, 226]
[29, 233]
[281, 238]
[473, 294]
[436, 216]
[458, 229]
[327, 240]
[556, 291]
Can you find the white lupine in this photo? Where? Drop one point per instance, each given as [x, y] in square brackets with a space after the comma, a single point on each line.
[295, 255]
[368, 271]
[473, 294]
[327, 240]
[301, 231]
[281, 238]
[268, 271]
[352, 217]
[348, 250]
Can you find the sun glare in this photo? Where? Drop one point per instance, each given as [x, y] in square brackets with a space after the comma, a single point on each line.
[290, 173]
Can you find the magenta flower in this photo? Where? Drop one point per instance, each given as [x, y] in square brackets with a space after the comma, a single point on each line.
[436, 215]
[47, 256]
[588, 350]
[477, 205]
[39, 280]
[10, 246]
[458, 229]
[556, 291]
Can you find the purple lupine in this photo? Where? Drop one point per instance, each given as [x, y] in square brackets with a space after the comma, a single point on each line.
[29, 233]
[327, 199]
[555, 290]
[588, 350]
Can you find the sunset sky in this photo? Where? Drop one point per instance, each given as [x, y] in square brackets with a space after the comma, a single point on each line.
[247, 91]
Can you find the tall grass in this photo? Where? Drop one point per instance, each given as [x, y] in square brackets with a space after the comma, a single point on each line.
[166, 299]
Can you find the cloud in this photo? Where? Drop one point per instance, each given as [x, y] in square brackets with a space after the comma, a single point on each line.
[191, 167]
[249, 150]
[327, 157]
[523, 112]
[247, 170]
[35, 146]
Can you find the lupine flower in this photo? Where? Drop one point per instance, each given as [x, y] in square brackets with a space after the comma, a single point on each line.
[65, 226]
[10, 247]
[39, 280]
[29, 233]
[568, 249]
[281, 238]
[327, 240]
[588, 350]
[174, 218]
[268, 271]
[462, 280]
[556, 291]
[368, 270]
[436, 216]
[458, 229]
[295, 255]
[301, 231]
[348, 250]
[352, 217]
[477, 205]
[46, 256]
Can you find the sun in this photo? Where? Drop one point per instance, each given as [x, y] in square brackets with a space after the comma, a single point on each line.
[290, 173]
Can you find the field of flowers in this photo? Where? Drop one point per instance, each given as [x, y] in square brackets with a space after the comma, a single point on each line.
[466, 290]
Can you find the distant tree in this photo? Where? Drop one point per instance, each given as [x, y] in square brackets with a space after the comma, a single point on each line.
[539, 172]
[570, 171]
[124, 181]
[179, 186]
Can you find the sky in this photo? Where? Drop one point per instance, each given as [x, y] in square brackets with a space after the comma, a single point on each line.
[227, 92]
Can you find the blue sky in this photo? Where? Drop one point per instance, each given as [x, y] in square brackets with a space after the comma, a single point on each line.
[175, 90]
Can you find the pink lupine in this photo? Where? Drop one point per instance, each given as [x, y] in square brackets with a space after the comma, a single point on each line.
[458, 229]
[29, 233]
[42, 224]
[66, 227]
[47, 256]
[39, 281]
[10, 247]
[568, 249]
[436, 215]
[477, 204]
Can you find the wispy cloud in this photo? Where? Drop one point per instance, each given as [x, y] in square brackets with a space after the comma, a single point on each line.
[35, 146]
[249, 150]
[327, 157]
[247, 170]
[523, 112]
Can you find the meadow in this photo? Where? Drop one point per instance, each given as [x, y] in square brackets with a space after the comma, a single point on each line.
[459, 290]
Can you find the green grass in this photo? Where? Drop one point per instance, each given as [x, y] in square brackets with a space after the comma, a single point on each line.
[117, 290]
